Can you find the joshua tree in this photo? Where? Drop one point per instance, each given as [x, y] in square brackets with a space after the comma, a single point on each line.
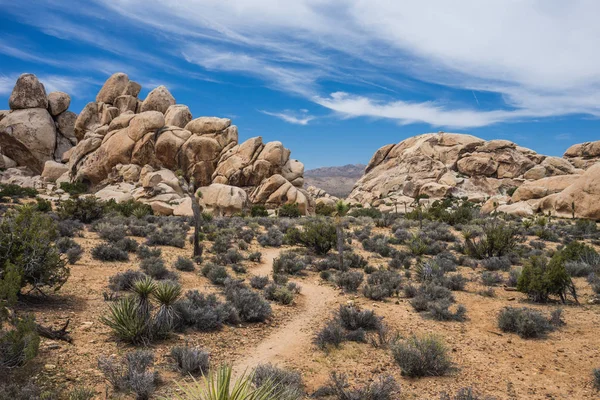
[341, 209]
[195, 197]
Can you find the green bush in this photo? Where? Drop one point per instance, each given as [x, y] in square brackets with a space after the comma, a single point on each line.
[365, 212]
[540, 279]
[325, 210]
[498, 239]
[422, 356]
[74, 188]
[289, 262]
[85, 209]
[289, 211]
[525, 322]
[129, 208]
[27, 241]
[43, 206]
[258, 210]
[16, 191]
[319, 236]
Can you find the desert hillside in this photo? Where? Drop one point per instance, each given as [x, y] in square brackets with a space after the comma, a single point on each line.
[337, 181]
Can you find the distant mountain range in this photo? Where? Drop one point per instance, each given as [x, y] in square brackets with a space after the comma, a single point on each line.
[337, 181]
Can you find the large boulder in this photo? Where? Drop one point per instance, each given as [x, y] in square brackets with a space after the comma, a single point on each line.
[159, 99]
[28, 93]
[65, 124]
[28, 136]
[223, 199]
[583, 155]
[178, 115]
[583, 194]
[276, 190]
[114, 87]
[58, 102]
[54, 170]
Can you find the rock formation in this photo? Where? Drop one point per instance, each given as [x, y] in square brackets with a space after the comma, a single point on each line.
[128, 148]
[499, 173]
[38, 127]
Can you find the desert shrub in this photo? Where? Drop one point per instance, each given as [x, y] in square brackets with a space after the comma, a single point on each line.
[16, 191]
[596, 377]
[74, 254]
[27, 242]
[365, 212]
[289, 262]
[429, 293]
[400, 259]
[155, 267]
[525, 322]
[19, 340]
[289, 211]
[513, 276]
[63, 244]
[131, 374]
[464, 394]
[382, 388]
[231, 256]
[84, 209]
[354, 260]
[74, 188]
[16, 391]
[203, 312]
[378, 244]
[273, 238]
[352, 318]
[382, 284]
[325, 210]
[410, 291]
[349, 280]
[255, 256]
[539, 278]
[147, 252]
[332, 334]
[127, 244]
[42, 205]
[170, 234]
[319, 236]
[217, 274]
[291, 381]
[422, 356]
[190, 360]
[124, 280]
[258, 211]
[110, 232]
[251, 306]
[69, 227]
[491, 278]
[454, 282]
[428, 271]
[129, 208]
[259, 282]
[578, 269]
[496, 263]
[109, 252]
[278, 293]
[440, 311]
[184, 264]
[82, 393]
[497, 240]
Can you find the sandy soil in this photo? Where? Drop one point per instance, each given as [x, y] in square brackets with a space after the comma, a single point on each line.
[494, 363]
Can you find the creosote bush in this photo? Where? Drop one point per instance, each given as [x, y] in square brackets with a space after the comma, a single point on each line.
[290, 262]
[422, 356]
[541, 278]
[184, 264]
[109, 252]
[190, 360]
[350, 281]
[204, 312]
[526, 322]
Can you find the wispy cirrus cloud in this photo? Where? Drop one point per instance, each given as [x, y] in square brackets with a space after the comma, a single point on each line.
[293, 117]
[362, 58]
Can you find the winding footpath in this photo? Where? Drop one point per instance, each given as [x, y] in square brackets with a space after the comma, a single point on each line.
[295, 336]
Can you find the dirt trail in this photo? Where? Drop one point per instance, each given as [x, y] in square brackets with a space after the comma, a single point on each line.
[284, 345]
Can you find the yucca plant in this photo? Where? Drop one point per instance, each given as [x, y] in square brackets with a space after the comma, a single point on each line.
[144, 288]
[126, 321]
[218, 386]
[166, 294]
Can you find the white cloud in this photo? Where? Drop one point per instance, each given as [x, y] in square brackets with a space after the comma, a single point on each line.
[539, 56]
[296, 118]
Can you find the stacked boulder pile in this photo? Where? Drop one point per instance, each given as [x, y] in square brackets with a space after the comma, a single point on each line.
[37, 128]
[128, 148]
[502, 175]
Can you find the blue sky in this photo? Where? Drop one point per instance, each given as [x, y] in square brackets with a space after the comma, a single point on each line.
[333, 80]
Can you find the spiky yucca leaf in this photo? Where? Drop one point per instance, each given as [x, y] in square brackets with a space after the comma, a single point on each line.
[126, 321]
[217, 386]
[166, 293]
